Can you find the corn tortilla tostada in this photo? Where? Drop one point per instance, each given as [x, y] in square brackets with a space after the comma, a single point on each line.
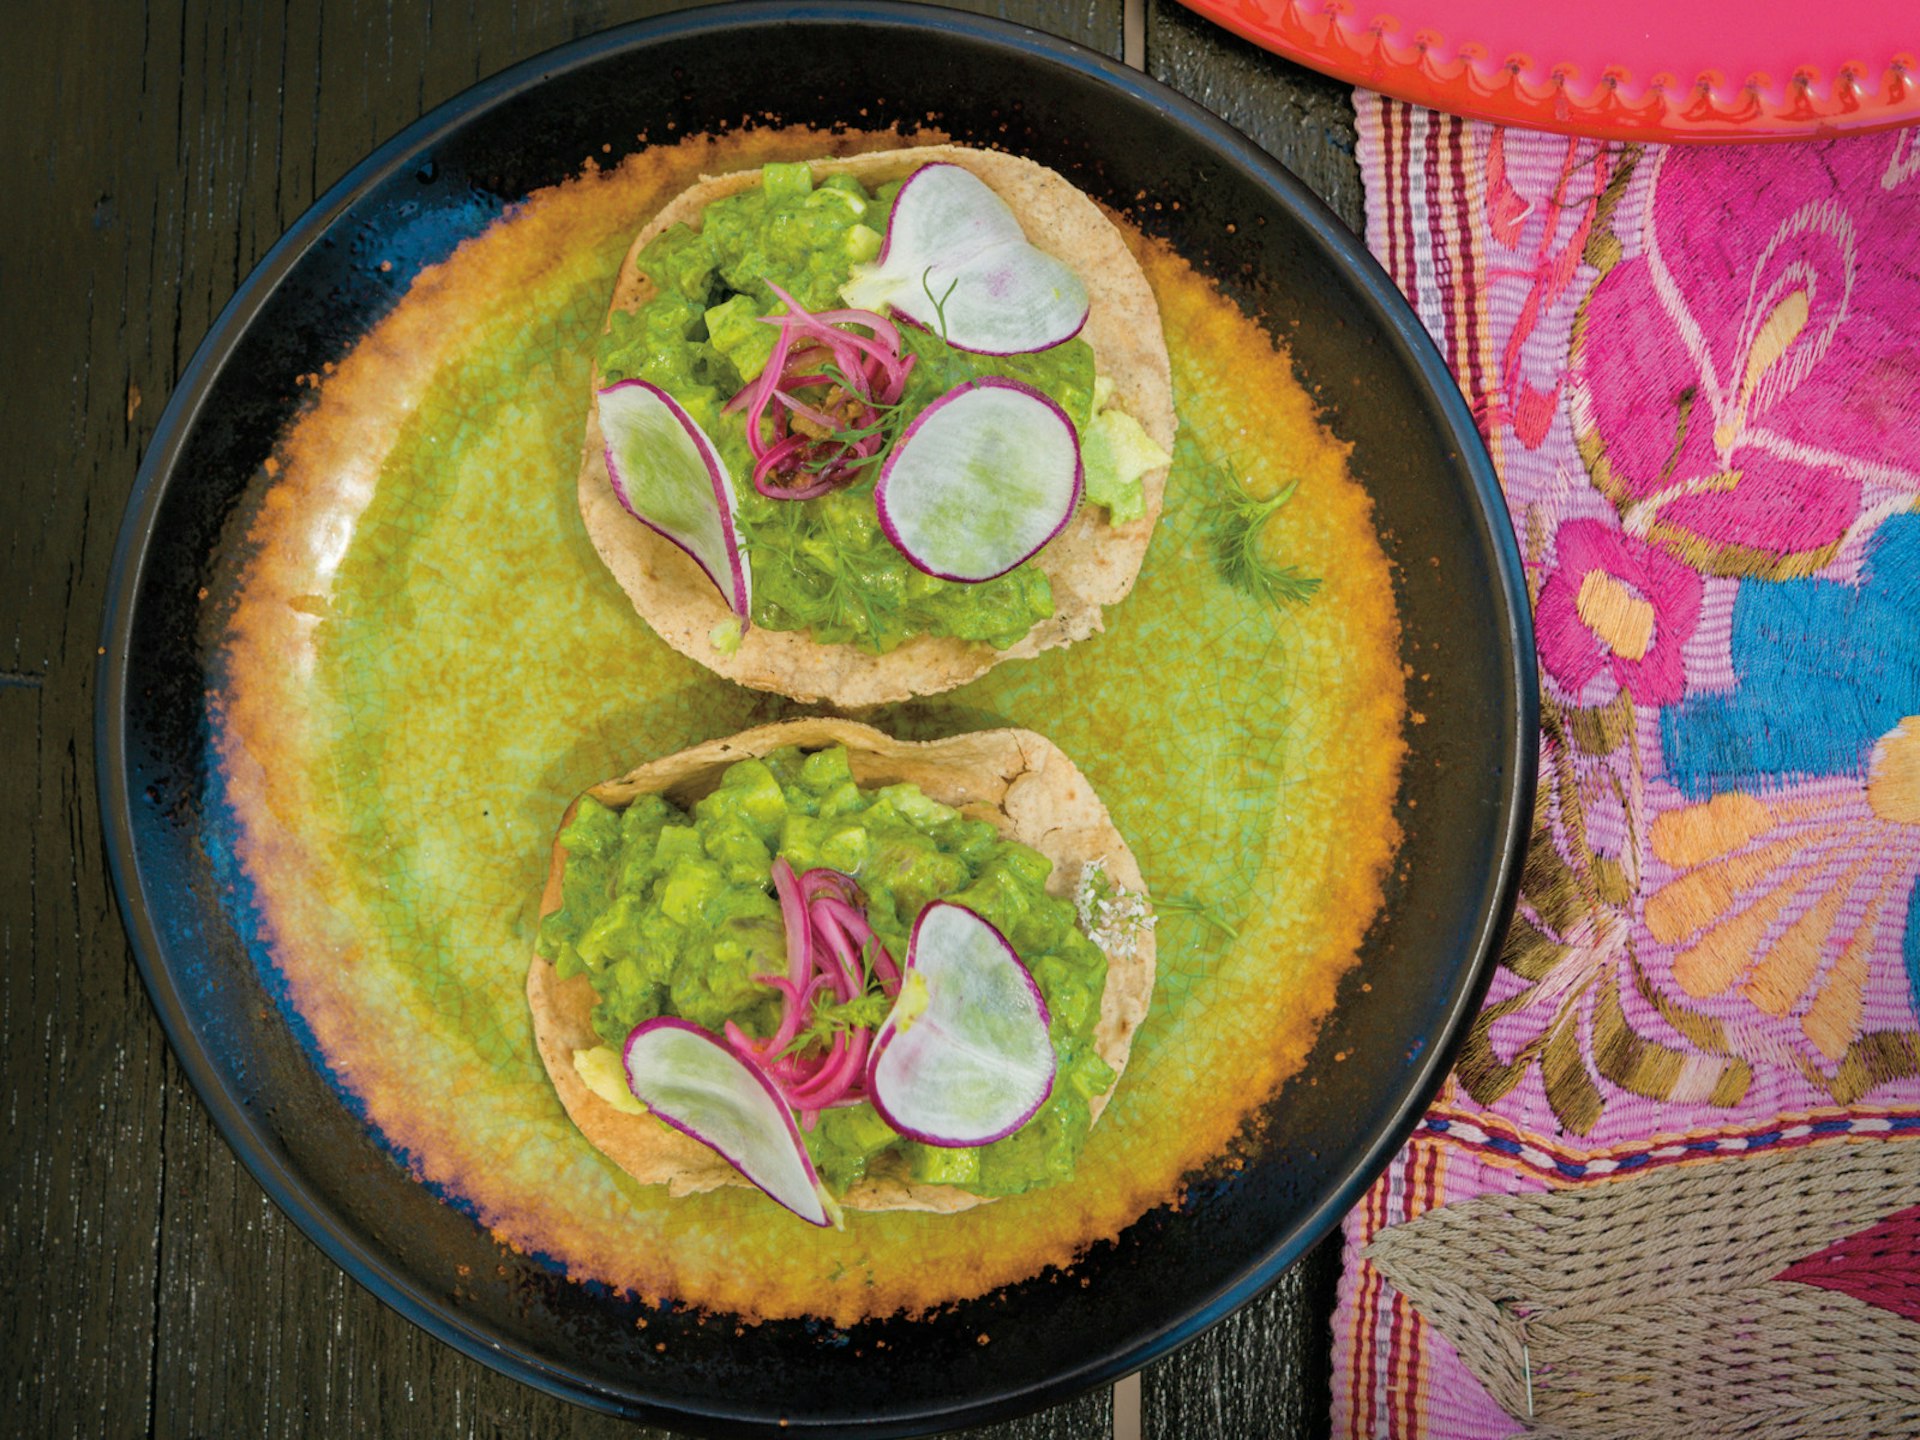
[1003, 793]
[819, 639]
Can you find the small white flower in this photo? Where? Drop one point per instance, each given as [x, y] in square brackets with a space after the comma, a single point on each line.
[1112, 916]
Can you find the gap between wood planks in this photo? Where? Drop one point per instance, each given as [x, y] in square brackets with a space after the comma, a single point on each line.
[1126, 1393]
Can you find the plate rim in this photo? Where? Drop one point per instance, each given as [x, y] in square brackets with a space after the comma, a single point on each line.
[248, 1136]
[1447, 78]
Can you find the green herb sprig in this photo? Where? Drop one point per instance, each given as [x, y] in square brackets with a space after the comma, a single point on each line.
[939, 301]
[837, 446]
[868, 1009]
[1235, 523]
[1206, 912]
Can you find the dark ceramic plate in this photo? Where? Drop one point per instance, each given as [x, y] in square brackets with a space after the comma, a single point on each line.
[1464, 800]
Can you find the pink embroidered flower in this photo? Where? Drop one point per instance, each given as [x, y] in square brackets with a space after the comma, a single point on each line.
[1738, 380]
[1618, 605]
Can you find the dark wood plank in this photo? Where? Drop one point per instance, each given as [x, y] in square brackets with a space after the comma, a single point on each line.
[1264, 1371]
[85, 1069]
[1302, 118]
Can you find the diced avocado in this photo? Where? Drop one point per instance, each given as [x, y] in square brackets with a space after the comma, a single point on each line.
[615, 932]
[843, 1141]
[843, 799]
[824, 770]
[1028, 864]
[943, 1164]
[734, 328]
[1089, 1075]
[785, 181]
[1041, 1152]
[688, 887]
[750, 789]
[594, 830]
[923, 813]
[739, 850]
[801, 837]
[676, 843]
[1116, 453]
[603, 1072]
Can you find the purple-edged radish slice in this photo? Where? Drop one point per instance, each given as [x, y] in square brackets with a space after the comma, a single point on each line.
[669, 476]
[957, 263]
[964, 1058]
[983, 477]
[695, 1083]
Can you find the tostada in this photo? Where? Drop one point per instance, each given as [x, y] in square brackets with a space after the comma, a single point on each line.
[863, 427]
[855, 971]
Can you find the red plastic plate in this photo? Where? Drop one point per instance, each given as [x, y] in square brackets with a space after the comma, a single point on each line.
[1624, 69]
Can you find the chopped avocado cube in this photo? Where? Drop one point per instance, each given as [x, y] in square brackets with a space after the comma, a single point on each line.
[1117, 453]
[1039, 1152]
[615, 932]
[688, 887]
[843, 1141]
[603, 1072]
[1027, 863]
[739, 850]
[749, 789]
[916, 809]
[566, 960]
[842, 799]
[785, 182]
[642, 821]
[801, 837]
[998, 897]
[844, 203]
[974, 841]
[912, 874]
[1068, 999]
[594, 830]
[825, 769]
[863, 243]
[717, 981]
[676, 843]
[943, 1164]
[1089, 1075]
[735, 330]
[865, 1127]
[846, 848]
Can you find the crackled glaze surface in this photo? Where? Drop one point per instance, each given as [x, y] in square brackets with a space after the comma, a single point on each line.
[426, 661]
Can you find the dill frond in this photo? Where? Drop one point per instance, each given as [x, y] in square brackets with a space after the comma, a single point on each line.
[1236, 521]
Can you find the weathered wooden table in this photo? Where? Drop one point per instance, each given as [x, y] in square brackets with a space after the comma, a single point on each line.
[159, 149]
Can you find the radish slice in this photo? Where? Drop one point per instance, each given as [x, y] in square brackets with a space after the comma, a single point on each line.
[964, 1058]
[669, 476]
[983, 477]
[957, 263]
[701, 1088]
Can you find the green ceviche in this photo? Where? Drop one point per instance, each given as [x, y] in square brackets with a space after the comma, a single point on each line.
[673, 912]
[820, 556]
